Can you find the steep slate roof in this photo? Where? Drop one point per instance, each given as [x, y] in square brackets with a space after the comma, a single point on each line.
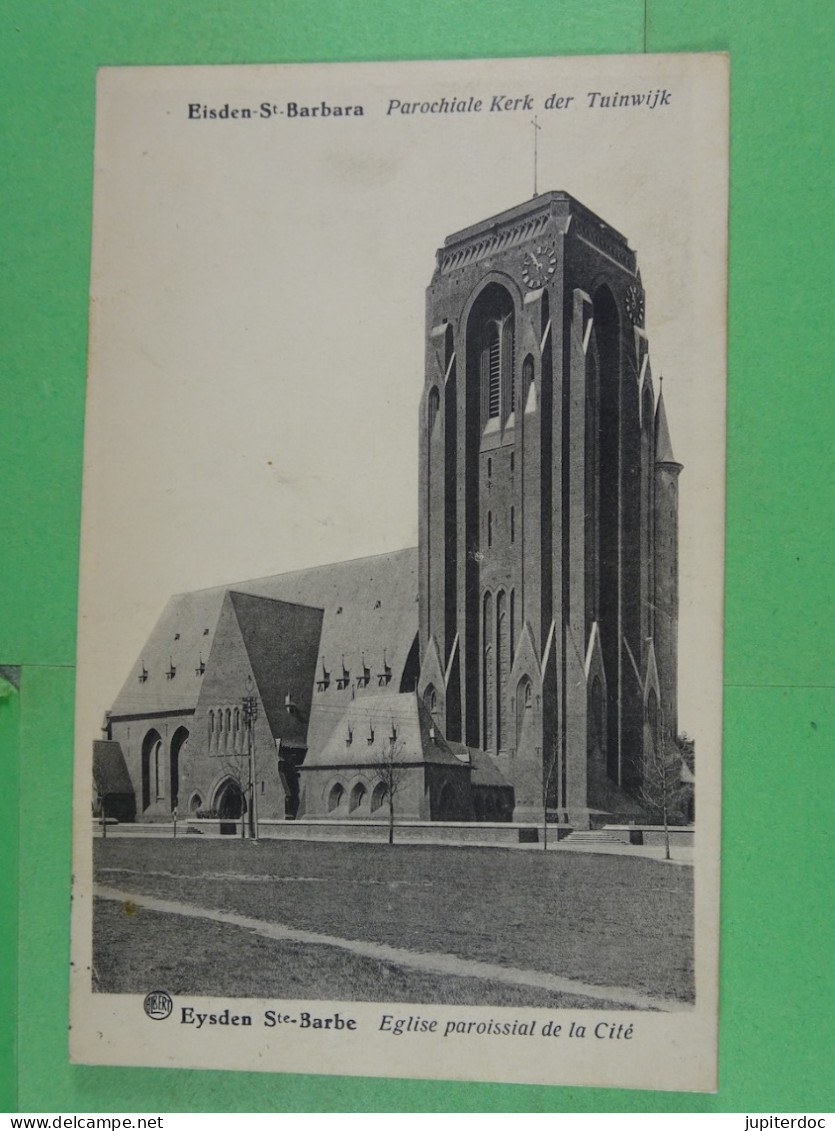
[182, 636]
[280, 640]
[110, 768]
[663, 445]
[485, 772]
[370, 610]
[383, 716]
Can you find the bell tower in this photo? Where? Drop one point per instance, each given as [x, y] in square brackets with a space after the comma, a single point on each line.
[538, 474]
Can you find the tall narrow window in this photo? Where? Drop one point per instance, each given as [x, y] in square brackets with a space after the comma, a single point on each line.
[432, 408]
[527, 378]
[513, 524]
[489, 528]
[494, 371]
[501, 668]
[490, 335]
[512, 625]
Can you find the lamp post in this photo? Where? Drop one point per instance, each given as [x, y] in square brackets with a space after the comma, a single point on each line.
[250, 713]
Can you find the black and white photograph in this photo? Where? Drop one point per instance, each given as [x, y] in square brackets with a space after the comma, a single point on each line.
[398, 718]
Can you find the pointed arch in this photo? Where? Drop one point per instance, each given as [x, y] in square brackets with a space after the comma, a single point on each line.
[229, 802]
[524, 704]
[151, 759]
[358, 794]
[487, 671]
[178, 745]
[433, 405]
[430, 699]
[502, 667]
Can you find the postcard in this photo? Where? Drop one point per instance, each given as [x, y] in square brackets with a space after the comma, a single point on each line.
[398, 713]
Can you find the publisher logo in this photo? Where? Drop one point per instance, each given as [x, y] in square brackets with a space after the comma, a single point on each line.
[158, 1005]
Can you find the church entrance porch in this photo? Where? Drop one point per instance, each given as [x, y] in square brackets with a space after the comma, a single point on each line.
[229, 801]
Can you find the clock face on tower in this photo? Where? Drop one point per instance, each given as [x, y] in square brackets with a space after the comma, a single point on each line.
[635, 305]
[539, 264]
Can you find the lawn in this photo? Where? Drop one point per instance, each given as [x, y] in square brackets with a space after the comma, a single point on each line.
[188, 956]
[603, 919]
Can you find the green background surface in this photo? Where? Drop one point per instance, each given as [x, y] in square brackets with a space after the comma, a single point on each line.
[777, 894]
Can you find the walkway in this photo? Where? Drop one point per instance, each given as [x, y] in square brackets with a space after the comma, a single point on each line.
[428, 963]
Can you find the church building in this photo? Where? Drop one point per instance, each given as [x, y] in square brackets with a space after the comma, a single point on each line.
[524, 656]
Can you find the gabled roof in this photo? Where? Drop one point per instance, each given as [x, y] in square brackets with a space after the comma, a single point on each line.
[371, 727]
[485, 771]
[370, 618]
[181, 639]
[276, 641]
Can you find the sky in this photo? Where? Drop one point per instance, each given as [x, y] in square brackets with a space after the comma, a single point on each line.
[257, 316]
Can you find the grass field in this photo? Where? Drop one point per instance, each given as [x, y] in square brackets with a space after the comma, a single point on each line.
[607, 920]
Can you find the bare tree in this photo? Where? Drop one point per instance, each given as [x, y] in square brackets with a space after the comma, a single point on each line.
[389, 770]
[549, 769]
[661, 788]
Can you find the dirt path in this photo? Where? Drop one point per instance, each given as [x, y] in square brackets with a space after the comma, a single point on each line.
[427, 962]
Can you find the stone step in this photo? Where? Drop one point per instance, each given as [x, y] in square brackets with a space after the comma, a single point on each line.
[593, 836]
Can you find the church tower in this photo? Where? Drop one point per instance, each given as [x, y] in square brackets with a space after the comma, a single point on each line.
[543, 465]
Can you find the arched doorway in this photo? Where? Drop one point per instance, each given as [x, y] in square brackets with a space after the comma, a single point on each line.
[229, 800]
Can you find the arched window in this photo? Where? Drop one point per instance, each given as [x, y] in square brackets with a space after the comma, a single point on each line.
[195, 803]
[444, 803]
[652, 723]
[527, 374]
[490, 339]
[151, 747]
[487, 673]
[524, 703]
[501, 668]
[211, 725]
[159, 779]
[378, 796]
[178, 744]
[430, 699]
[335, 797]
[432, 408]
[357, 797]
[512, 624]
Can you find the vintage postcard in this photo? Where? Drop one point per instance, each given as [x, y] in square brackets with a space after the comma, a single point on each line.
[400, 641]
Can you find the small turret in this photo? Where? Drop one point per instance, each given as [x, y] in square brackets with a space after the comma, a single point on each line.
[667, 470]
